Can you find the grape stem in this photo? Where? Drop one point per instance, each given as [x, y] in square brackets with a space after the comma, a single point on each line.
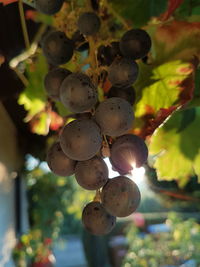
[97, 197]
[23, 24]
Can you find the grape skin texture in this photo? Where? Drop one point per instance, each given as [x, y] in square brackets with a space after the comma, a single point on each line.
[48, 7]
[120, 196]
[135, 43]
[127, 93]
[78, 93]
[53, 81]
[127, 150]
[91, 174]
[58, 162]
[114, 116]
[57, 48]
[123, 72]
[97, 220]
[81, 139]
[89, 23]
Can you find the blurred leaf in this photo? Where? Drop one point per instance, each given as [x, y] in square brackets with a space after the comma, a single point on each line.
[34, 97]
[176, 40]
[178, 148]
[139, 11]
[40, 123]
[172, 6]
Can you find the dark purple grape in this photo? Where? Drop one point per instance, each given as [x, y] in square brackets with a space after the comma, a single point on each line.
[78, 93]
[114, 116]
[135, 43]
[53, 81]
[81, 139]
[127, 93]
[91, 174]
[48, 7]
[107, 54]
[57, 48]
[58, 162]
[80, 43]
[128, 151]
[123, 72]
[97, 220]
[89, 23]
[120, 196]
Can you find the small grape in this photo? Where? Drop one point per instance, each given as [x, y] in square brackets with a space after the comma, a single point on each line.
[89, 23]
[120, 196]
[127, 93]
[135, 43]
[53, 81]
[97, 220]
[107, 54]
[81, 139]
[123, 72]
[91, 174]
[57, 48]
[49, 7]
[114, 116]
[79, 42]
[78, 93]
[58, 162]
[128, 151]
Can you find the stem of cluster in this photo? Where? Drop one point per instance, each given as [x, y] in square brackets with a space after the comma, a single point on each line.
[97, 197]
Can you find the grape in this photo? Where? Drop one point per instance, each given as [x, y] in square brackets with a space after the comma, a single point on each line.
[107, 54]
[81, 139]
[91, 174]
[96, 219]
[135, 43]
[49, 7]
[57, 48]
[53, 80]
[120, 196]
[79, 42]
[114, 116]
[123, 72]
[89, 23]
[78, 93]
[127, 93]
[58, 162]
[128, 150]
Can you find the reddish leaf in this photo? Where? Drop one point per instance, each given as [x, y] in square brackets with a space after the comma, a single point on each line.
[30, 14]
[172, 6]
[56, 121]
[7, 2]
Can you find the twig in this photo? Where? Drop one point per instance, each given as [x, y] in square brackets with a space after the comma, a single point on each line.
[23, 23]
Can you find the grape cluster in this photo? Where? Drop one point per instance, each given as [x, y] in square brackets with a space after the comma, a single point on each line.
[99, 126]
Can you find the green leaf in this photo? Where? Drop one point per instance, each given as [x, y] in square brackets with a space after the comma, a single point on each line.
[34, 96]
[176, 149]
[139, 11]
[164, 90]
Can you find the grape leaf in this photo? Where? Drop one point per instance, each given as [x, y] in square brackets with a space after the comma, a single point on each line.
[140, 11]
[162, 93]
[34, 96]
[172, 6]
[177, 148]
[176, 40]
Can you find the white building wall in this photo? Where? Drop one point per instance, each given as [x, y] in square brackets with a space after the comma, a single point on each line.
[10, 160]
